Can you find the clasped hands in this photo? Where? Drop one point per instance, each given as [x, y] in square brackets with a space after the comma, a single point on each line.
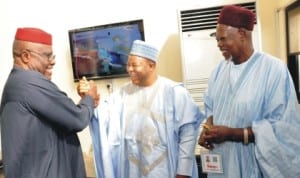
[212, 134]
[86, 87]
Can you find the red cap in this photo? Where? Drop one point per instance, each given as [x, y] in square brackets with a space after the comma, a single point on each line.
[33, 35]
[237, 16]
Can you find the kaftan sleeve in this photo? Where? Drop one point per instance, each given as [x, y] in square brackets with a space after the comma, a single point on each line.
[188, 118]
[105, 133]
[277, 145]
[208, 94]
[208, 104]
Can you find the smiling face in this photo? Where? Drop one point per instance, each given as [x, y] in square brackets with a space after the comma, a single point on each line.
[225, 53]
[141, 71]
[42, 60]
[34, 56]
[228, 41]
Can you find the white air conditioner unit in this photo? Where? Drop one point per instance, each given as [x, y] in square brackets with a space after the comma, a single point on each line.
[200, 54]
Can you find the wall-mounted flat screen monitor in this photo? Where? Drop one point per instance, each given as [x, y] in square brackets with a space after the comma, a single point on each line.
[101, 52]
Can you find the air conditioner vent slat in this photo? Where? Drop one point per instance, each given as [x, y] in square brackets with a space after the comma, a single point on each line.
[205, 18]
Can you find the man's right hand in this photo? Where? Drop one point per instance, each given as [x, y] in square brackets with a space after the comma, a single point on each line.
[88, 88]
[206, 127]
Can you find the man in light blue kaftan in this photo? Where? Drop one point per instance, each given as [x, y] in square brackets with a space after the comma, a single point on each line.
[255, 111]
[148, 128]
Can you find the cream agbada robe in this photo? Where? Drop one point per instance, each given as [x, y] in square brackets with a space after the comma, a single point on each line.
[146, 132]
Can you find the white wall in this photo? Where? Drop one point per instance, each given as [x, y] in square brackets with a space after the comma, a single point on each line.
[57, 17]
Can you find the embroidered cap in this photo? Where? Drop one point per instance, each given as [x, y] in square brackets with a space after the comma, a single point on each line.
[33, 35]
[237, 16]
[143, 49]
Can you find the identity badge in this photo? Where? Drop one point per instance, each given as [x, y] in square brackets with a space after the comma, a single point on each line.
[211, 163]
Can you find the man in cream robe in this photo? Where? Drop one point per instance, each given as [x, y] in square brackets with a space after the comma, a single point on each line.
[148, 128]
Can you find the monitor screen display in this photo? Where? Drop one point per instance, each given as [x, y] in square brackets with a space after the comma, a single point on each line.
[101, 52]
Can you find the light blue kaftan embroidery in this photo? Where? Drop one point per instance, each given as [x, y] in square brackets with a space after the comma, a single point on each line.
[146, 132]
